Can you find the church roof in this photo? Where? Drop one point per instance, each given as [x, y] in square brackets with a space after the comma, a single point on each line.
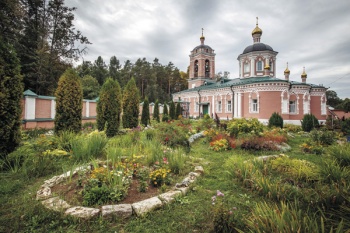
[202, 46]
[237, 82]
[257, 47]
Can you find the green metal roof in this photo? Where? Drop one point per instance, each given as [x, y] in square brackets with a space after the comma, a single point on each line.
[244, 81]
[29, 93]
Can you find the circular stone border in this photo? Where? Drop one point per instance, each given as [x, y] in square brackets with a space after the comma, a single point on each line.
[140, 208]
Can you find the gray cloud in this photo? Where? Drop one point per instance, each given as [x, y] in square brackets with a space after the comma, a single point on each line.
[313, 34]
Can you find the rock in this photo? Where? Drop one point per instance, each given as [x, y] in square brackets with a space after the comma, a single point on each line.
[284, 147]
[56, 204]
[54, 180]
[43, 193]
[82, 212]
[183, 190]
[145, 206]
[122, 210]
[195, 136]
[199, 169]
[169, 197]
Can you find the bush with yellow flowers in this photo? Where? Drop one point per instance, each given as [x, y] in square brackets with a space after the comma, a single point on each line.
[159, 177]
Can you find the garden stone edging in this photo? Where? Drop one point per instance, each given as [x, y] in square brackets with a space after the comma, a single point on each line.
[122, 210]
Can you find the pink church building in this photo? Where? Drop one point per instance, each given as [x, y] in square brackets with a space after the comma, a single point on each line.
[256, 93]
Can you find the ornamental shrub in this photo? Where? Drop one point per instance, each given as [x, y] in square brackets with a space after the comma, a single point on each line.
[131, 101]
[156, 111]
[172, 111]
[11, 91]
[178, 111]
[276, 120]
[165, 113]
[109, 107]
[145, 119]
[69, 103]
[243, 126]
[309, 122]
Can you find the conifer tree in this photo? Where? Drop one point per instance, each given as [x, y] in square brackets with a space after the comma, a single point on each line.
[11, 91]
[69, 103]
[156, 111]
[131, 101]
[172, 111]
[145, 118]
[165, 113]
[178, 111]
[109, 107]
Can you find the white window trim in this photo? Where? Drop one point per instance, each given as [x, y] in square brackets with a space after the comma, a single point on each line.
[257, 66]
[227, 105]
[251, 103]
[219, 106]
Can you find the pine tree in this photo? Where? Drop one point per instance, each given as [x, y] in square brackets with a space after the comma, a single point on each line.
[109, 107]
[145, 118]
[165, 113]
[11, 91]
[156, 111]
[69, 103]
[131, 101]
[172, 111]
[178, 111]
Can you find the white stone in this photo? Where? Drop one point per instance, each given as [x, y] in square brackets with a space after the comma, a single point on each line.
[145, 206]
[122, 210]
[56, 204]
[43, 193]
[169, 197]
[199, 169]
[183, 190]
[82, 212]
[53, 181]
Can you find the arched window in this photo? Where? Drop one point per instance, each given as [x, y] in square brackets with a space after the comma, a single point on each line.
[254, 102]
[259, 66]
[207, 68]
[246, 67]
[306, 104]
[196, 68]
[293, 104]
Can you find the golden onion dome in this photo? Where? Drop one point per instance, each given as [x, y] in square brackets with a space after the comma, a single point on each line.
[287, 71]
[257, 30]
[304, 75]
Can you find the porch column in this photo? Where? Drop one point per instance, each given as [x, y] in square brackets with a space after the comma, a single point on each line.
[239, 105]
[53, 109]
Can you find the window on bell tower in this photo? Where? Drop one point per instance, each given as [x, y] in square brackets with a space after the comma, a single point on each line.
[196, 68]
[207, 68]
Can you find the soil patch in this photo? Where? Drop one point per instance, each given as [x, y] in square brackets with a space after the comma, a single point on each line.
[71, 191]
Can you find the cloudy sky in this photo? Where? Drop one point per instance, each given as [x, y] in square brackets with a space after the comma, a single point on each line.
[314, 34]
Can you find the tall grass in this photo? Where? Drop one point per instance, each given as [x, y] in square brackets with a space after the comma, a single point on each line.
[87, 148]
[341, 153]
[176, 160]
[283, 217]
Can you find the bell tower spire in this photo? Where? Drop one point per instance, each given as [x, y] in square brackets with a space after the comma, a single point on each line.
[257, 32]
[202, 38]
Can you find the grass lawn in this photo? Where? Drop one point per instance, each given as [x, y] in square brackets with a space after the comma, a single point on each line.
[275, 191]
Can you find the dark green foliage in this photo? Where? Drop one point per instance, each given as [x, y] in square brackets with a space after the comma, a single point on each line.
[178, 111]
[99, 70]
[309, 122]
[131, 101]
[172, 111]
[109, 107]
[91, 87]
[165, 113]
[276, 120]
[345, 126]
[156, 111]
[69, 103]
[11, 91]
[145, 118]
[322, 136]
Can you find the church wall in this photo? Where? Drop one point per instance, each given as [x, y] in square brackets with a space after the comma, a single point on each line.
[43, 108]
[315, 107]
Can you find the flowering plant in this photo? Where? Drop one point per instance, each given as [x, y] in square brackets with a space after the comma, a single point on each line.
[223, 214]
[219, 145]
[159, 177]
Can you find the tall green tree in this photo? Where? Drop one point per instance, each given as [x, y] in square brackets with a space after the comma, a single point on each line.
[172, 111]
[131, 102]
[69, 103]
[91, 87]
[11, 91]
[114, 67]
[48, 42]
[99, 70]
[156, 111]
[332, 98]
[145, 118]
[109, 107]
